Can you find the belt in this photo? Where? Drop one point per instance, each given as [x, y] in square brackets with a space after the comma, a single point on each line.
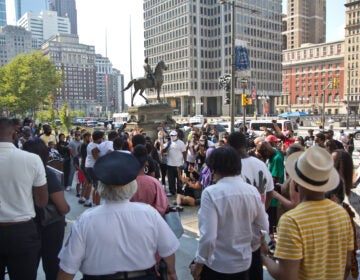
[6, 224]
[120, 275]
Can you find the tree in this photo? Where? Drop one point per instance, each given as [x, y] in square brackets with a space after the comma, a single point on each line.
[65, 116]
[27, 81]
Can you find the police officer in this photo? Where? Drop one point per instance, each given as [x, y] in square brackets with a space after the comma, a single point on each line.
[118, 240]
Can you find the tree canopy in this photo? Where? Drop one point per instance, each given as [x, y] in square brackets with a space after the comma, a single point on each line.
[26, 81]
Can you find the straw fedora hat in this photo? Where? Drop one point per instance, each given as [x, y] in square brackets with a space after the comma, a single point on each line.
[313, 169]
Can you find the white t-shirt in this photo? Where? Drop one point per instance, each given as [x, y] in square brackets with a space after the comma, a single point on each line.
[228, 211]
[256, 173]
[191, 155]
[105, 147]
[113, 237]
[90, 161]
[175, 153]
[19, 172]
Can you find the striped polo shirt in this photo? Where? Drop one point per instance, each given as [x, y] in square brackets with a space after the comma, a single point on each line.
[320, 234]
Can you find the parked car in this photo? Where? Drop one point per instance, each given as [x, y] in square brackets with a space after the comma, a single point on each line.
[79, 122]
[57, 122]
[356, 134]
[91, 123]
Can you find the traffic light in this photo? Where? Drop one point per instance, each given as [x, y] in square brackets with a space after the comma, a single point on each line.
[227, 98]
[335, 83]
[243, 99]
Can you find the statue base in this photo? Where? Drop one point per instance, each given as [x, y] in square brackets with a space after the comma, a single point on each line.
[149, 117]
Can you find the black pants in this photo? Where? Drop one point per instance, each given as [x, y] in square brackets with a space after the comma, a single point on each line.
[163, 170]
[256, 268]
[172, 172]
[66, 170]
[273, 218]
[51, 242]
[209, 274]
[19, 251]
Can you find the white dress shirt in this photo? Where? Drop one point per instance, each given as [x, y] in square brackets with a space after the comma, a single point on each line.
[228, 211]
[115, 237]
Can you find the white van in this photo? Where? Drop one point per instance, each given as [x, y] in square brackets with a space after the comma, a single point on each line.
[284, 125]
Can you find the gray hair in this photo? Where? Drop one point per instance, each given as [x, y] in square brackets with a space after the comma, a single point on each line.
[117, 192]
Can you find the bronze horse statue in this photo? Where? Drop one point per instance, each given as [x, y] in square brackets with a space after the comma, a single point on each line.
[140, 84]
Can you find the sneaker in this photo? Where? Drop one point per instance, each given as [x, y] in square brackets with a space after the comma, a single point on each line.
[68, 188]
[88, 204]
[168, 194]
[176, 209]
[82, 200]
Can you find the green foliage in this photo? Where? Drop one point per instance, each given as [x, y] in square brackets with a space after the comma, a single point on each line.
[65, 116]
[27, 81]
[43, 116]
[78, 114]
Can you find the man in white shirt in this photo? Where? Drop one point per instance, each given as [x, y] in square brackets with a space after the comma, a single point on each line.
[229, 211]
[91, 157]
[256, 173]
[107, 146]
[23, 183]
[176, 156]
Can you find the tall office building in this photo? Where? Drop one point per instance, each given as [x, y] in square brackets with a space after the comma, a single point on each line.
[44, 25]
[2, 13]
[305, 22]
[14, 40]
[194, 38]
[77, 63]
[352, 55]
[65, 8]
[103, 73]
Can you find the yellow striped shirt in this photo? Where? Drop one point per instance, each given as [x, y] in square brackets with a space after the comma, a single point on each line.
[320, 234]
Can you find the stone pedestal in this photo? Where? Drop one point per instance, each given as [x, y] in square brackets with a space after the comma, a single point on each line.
[149, 117]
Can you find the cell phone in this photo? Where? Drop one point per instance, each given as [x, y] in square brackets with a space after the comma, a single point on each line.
[274, 121]
[266, 235]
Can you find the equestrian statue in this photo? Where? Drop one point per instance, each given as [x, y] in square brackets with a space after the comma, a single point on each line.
[151, 80]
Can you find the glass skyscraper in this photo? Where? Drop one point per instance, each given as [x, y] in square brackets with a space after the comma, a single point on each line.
[65, 8]
[2, 13]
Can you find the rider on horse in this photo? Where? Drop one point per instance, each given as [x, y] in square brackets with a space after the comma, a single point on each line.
[148, 72]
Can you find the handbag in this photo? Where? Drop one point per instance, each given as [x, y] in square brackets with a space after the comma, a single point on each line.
[173, 219]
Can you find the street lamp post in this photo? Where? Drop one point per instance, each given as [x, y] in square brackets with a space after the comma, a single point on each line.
[233, 27]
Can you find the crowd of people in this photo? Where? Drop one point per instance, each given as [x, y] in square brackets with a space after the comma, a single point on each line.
[245, 185]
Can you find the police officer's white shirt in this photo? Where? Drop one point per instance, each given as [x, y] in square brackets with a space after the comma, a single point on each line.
[115, 237]
[19, 172]
[175, 153]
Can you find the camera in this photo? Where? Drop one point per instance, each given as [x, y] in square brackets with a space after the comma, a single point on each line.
[273, 121]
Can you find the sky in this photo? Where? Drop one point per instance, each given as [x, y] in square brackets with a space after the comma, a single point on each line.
[109, 21]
